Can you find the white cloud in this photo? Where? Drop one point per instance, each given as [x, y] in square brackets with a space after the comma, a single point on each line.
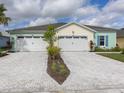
[88, 10]
[47, 8]
[102, 19]
[42, 21]
[115, 6]
[27, 8]
[61, 8]
[111, 15]
[47, 11]
[22, 9]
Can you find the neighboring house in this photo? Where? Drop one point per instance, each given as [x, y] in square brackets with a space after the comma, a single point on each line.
[120, 38]
[71, 37]
[4, 40]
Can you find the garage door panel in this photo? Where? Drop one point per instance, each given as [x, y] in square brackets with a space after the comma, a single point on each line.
[20, 44]
[39, 44]
[64, 44]
[27, 45]
[80, 44]
[31, 44]
[76, 43]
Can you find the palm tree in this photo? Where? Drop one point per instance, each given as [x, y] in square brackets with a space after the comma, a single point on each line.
[49, 36]
[3, 18]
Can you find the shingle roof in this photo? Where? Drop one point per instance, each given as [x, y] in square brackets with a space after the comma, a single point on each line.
[35, 29]
[120, 33]
[102, 29]
[4, 33]
[43, 28]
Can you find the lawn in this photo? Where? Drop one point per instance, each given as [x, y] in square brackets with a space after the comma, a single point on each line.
[119, 57]
[2, 49]
[3, 52]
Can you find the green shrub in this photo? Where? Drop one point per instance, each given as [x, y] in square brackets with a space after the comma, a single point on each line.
[116, 49]
[122, 52]
[54, 67]
[100, 49]
[1, 49]
[63, 71]
[59, 69]
[53, 51]
[2, 52]
[62, 66]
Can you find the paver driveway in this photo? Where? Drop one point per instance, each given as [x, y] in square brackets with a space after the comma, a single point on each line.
[25, 72]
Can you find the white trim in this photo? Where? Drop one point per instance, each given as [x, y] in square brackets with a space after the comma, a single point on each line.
[76, 24]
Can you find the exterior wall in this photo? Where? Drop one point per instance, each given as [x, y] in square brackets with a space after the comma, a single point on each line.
[3, 41]
[13, 41]
[75, 30]
[120, 42]
[111, 39]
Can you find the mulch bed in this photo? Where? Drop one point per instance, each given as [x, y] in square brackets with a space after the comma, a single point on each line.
[55, 74]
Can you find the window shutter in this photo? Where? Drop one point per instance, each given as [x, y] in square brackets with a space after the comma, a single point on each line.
[98, 40]
[107, 41]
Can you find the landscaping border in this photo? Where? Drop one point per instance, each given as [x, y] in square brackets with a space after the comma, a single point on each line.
[60, 74]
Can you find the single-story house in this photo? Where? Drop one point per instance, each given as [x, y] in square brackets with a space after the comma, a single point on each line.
[4, 40]
[120, 38]
[71, 37]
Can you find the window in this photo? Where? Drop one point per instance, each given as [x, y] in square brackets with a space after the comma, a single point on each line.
[36, 37]
[68, 37]
[20, 36]
[102, 40]
[76, 37]
[84, 37]
[28, 36]
[61, 37]
[42, 37]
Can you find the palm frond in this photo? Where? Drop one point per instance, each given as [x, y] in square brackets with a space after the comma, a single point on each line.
[3, 18]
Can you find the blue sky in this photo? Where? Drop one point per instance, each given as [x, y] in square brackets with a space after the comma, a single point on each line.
[100, 3]
[24, 13]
